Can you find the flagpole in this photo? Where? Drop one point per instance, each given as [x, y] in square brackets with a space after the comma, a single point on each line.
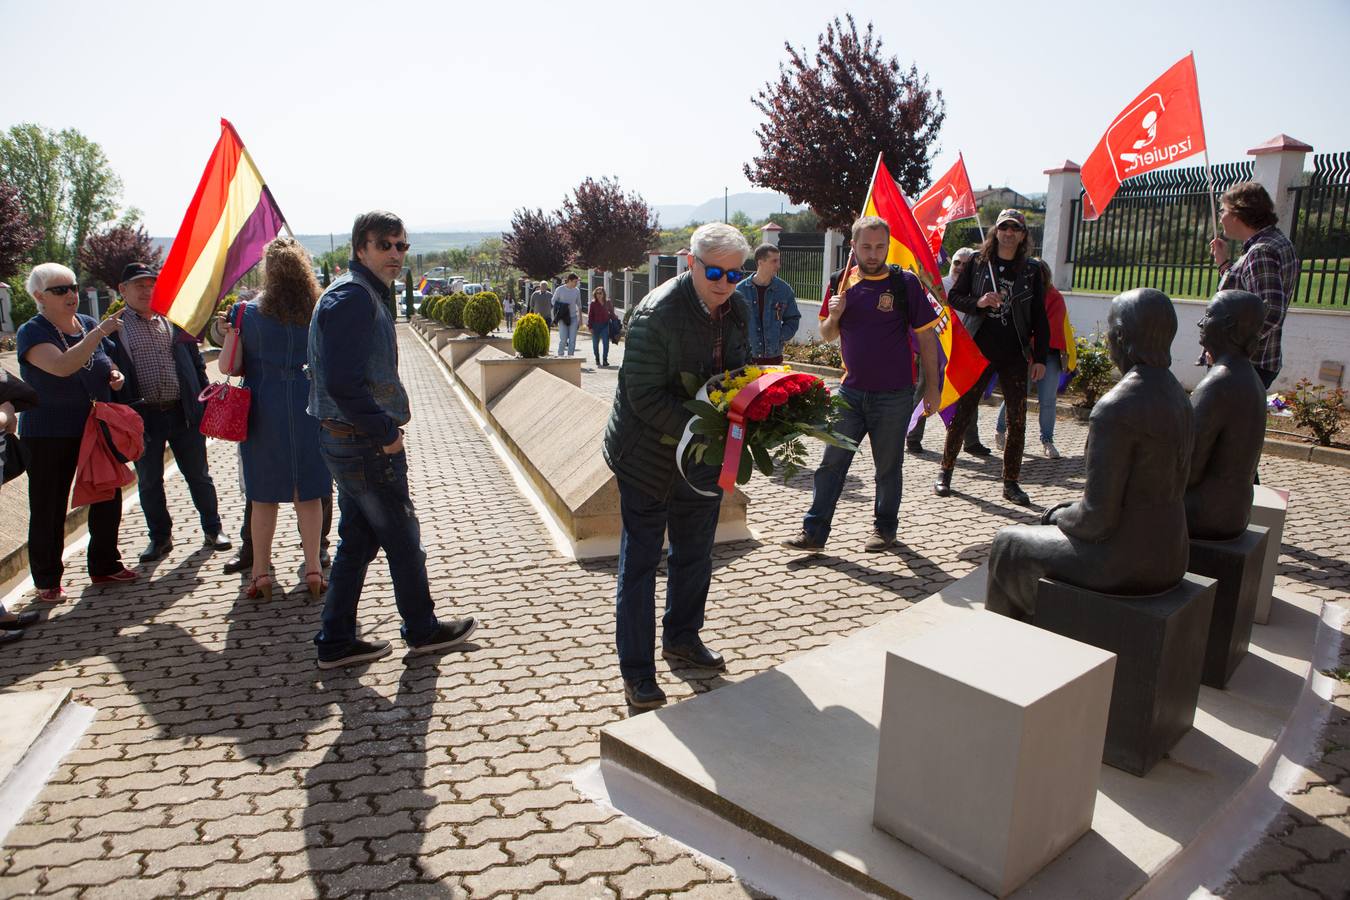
[849, 262]
[1209, 172]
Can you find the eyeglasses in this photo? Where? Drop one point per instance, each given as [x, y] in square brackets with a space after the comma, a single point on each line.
[1010, 226]
[384, 245]
[61, 290]
[715, 273]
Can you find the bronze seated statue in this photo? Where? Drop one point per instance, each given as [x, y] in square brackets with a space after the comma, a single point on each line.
[1230, 419]
[1127, 535]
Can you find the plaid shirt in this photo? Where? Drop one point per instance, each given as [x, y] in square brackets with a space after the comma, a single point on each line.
[150, 344]
[1267, 268]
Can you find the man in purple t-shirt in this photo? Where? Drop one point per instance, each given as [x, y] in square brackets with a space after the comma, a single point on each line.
[873, 315]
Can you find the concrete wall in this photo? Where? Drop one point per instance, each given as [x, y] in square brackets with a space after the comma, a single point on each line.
[1310, 337]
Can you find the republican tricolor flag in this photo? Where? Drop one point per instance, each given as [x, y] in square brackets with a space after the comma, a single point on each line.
[960, 362]
[231, 219]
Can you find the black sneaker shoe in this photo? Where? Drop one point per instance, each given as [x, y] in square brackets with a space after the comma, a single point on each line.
[216, 542]
[696, 654]
[977, 450]
[156, 550]
[448, 634]
[643, 693]
[803, 541]
[943, 486]
[358, 652]
[914, 449]
[1013, 491]
[239, 562]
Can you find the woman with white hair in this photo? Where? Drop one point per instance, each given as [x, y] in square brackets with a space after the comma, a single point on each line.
[64, 356]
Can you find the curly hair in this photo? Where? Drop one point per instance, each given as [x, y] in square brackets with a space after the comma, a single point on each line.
[289, 287]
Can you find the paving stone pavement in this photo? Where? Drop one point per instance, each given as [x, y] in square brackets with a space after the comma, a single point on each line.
[223, 763]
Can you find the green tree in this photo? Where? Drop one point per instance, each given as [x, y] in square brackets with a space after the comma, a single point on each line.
[92, 188]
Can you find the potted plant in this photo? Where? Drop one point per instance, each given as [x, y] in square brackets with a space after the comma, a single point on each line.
[1094, 375]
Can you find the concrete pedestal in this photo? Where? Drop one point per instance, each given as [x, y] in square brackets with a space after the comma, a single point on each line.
[1158, 641]
[1269, 506]
[991, 744]
[1236, 565]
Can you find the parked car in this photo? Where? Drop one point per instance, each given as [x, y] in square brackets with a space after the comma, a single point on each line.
[472, 289]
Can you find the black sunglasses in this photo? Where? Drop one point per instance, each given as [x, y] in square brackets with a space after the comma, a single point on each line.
[1013, 226]
[384, 245]
[713, 273]
[61, 290]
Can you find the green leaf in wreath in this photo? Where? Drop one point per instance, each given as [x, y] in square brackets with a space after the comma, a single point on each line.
[747, 466]
[691, 384]
[703, 408]
[763, 461]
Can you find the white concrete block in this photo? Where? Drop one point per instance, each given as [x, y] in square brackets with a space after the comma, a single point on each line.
[991, 746]
[1269, 506]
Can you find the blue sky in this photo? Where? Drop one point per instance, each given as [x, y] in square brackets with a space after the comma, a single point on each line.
[449, 112]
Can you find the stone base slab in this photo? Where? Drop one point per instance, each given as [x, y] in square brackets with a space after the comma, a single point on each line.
[1269, 508]
[790, 756]
[1236, 566]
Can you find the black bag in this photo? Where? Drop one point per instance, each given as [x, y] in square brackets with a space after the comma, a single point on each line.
[15, 464]
[562, 313]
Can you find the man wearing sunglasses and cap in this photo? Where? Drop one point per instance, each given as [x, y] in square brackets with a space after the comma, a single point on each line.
[164, 376]
[690, 325]
[360, 402]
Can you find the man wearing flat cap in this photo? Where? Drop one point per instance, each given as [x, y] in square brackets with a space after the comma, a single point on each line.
[164, 376]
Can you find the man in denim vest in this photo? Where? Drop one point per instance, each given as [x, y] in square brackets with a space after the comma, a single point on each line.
[356, 395]
[772, 316]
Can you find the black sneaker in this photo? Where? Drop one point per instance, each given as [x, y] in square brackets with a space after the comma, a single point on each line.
[358, 652]
[978, 450]
[695, 653]
[943, 486]
[914, 449]
[1013, 491]
[803, 541]
[643, 693]
[448, 634]
[155, 551]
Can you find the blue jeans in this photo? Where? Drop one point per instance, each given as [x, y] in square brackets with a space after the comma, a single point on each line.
[189, 451]
[376, 513]
[1047, 389]
[600, 335]
[567, 338]
[883, 417]
[691, 521]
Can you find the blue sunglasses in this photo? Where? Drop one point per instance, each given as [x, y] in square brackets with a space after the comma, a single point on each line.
[713, 273]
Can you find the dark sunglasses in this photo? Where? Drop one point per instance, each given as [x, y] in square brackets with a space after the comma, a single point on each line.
[384, 245]
[1010, 226]
[713, 273]
[61, 290]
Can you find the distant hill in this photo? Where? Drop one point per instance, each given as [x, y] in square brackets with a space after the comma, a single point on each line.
[755, 204]
[422, 241]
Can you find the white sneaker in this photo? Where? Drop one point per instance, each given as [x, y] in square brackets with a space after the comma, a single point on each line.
[1050, 451]
[1000, 438]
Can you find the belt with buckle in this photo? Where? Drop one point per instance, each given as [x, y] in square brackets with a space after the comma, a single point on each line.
[339, 427]
[165, 406]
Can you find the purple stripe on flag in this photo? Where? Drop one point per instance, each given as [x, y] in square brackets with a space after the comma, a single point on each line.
[263, 224]
[947, 413]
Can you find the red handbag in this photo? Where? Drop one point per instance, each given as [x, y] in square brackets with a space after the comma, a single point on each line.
[226, 414]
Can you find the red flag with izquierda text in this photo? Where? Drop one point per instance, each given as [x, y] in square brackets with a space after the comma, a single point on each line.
[1160, 126]
[949, 198]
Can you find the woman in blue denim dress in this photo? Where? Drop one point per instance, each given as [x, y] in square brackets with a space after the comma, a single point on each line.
[281, 459]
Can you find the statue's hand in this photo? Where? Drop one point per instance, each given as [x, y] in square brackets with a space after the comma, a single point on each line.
[1048, 517]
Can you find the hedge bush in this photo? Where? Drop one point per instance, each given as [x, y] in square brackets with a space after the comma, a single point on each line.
[530, 339]
[452, 310]
[483, 313]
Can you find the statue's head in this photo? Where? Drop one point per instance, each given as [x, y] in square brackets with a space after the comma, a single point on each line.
[1140, 328]
[1232, 321]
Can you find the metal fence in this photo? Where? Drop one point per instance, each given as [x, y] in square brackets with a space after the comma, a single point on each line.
[1155, 233]
[801, 256]
[1320, 230]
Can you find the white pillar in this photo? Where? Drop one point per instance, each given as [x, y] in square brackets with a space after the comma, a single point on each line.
[769, 233]
[1278, 167]
[627, 287]
[681, 262]
[1066, 182]
[6, 319]
[609, 284]
[653, 263]
[834, 239]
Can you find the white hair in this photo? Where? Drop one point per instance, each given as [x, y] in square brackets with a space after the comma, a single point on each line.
[44, 274]
[963, 252]
[718, 237]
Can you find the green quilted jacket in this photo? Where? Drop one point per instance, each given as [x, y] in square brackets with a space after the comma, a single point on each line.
[668, 333]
